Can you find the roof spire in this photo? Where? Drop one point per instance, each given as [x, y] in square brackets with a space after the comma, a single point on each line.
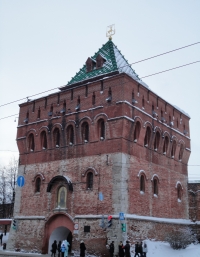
[110, 31]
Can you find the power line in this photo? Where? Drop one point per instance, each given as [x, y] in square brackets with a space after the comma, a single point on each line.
[177, 49]
[141, 77]
[170, 69]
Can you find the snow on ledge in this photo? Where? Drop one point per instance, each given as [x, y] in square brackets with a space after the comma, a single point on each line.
[137, 217]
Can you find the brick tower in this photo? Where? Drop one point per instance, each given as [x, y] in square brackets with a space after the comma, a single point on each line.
[104, 133]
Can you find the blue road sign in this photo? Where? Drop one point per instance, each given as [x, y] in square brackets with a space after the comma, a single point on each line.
[121, 216]
[20, 181]
[100, 196]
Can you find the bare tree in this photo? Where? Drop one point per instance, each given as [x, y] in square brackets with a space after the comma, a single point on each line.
[8, 176]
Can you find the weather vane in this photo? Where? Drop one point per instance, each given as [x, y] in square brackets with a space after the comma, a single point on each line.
[110, 31]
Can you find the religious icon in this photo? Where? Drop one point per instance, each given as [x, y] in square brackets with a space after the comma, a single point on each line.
[62, 196]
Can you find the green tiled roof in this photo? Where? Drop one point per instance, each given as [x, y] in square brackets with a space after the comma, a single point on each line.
[114, 61]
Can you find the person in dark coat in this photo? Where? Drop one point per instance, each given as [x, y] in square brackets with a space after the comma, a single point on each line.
[54, 248]
[82, 249]
[136, 249]
[121, 250]
[59, 248]
[1, 237]
[111, 249]
[140, 250]
[127, 249]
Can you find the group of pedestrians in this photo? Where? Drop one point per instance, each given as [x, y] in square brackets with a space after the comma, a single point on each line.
[140, 249]
[124, 250]
[61, 247]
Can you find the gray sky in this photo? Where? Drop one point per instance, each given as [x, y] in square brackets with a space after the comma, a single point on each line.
[43, 44]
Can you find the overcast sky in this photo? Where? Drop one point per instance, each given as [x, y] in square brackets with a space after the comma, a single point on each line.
[43, 43]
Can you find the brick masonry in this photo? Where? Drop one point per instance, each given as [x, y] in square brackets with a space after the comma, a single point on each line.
[117, 162]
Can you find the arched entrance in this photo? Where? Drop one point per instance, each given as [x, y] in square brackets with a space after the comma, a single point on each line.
[58, 227]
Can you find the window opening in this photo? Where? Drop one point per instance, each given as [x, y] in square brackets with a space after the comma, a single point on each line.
[101, 85]
[56, 137]
[51, 110]
[143, 102]
[86, 90]
[181, 152]
[45, 102]
[85, 132]
[38, 115]
[156, 141]
[165, 146]
[137, 131]
[142, 183]
[70, 135]
[72, 94]
[33, 109]
[31, 143]
[173, 149]
[179, 192]
[58, 99]
[93, 98]
[37, 185]
[147, 137]
[44, 140]
[101, 126]
[155, 186]
[78, 104]
[90, 180]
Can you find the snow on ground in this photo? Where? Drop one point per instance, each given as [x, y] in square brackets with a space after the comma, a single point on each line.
[155, 249]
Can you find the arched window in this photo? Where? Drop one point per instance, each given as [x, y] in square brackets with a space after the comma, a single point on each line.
[62, 197]
[173, 150]
[156, 141]
[37, 185]
[155, 186]
[89, 180]
[101, 129]
[70, 135]
[165, 145]
[31, 143]
[181, 152]
[85, 132]
[179, 192]
[43, 140]
[56, 137]
[136, 131]
[142, 183]
[147, 137]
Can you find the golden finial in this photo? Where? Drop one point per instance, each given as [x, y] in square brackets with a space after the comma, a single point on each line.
[110, 31]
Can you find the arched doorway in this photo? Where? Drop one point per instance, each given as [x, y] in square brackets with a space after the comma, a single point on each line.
[60, 234]
[58, 227]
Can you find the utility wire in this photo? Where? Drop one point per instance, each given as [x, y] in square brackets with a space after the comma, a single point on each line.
[177, 49]
[141, 77]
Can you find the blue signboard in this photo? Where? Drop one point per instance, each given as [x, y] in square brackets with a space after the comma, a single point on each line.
[121, 216]
[20, 181]
[100, 196]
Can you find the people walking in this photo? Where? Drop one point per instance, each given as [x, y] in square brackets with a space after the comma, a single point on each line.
[111, 249]
[54, 248]
[63, 248]
[67, 244]
[145, 249]
[82, 249]
[140, 251]
[127, 249]
[59, 248]
[1, 238]
[136, 249]
[121, 249]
